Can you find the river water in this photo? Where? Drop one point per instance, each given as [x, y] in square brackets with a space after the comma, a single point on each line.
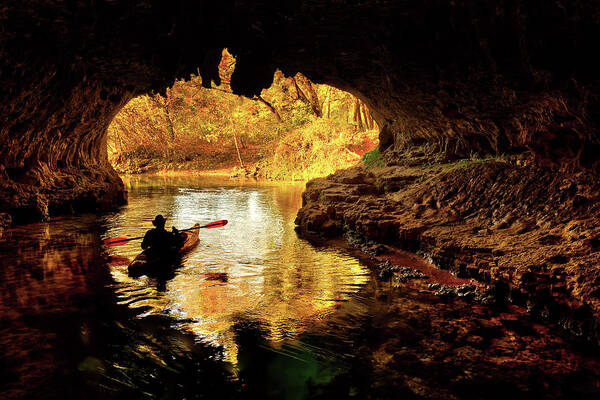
[254, 311]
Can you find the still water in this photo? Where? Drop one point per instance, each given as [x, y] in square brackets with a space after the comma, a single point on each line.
[254, 311]
[254, 268]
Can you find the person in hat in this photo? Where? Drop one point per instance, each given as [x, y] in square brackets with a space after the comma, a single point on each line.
[159, 242]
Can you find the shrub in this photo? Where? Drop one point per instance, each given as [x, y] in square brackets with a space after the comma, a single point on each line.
[373, 159]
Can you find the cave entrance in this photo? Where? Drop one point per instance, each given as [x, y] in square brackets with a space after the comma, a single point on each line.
[294, 130]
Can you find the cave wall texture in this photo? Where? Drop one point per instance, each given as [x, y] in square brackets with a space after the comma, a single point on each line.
[503, 76]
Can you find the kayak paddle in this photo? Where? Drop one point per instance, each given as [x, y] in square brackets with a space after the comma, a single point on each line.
[120, 241]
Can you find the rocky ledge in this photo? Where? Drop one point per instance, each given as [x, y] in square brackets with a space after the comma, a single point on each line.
[530, 232]
[45, 192]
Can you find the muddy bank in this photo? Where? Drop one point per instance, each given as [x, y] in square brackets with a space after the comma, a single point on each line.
[531, 233]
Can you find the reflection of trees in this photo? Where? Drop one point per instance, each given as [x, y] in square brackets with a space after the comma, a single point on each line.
[288, 198]
[61, 335]
[289, 284]
[45, 267]
[271, 275]
[50, 277]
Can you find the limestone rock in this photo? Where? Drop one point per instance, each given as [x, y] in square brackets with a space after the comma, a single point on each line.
[550, 267]
[493, 77]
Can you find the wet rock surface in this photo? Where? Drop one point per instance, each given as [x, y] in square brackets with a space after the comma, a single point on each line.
[458, 349]
[397, 273]
[483, 295]
[530, 233]
[5, 221]
[436, 337]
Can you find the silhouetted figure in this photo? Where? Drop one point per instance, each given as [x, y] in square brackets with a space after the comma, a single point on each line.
[158, 242]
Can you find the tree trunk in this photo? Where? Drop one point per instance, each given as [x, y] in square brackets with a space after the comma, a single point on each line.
[299, 93]
[327, 103]
[270, 107]
[372, 123]
[312, 93]
[170, 128]
[314, 103]
[117, 133]
[237, 148]
[367, 116]
[243, 143]
[357, 116]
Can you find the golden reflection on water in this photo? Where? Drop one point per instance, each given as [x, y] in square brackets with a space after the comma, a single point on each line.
[256, 267]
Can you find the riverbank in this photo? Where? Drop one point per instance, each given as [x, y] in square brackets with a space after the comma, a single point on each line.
[259, 312]
[314, 150]
[530, 233]
[221, 172]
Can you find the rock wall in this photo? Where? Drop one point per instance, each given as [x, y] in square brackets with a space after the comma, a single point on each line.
[516, 78]
[462, 77]
[530, 232]
[54, 159]
[67, 68]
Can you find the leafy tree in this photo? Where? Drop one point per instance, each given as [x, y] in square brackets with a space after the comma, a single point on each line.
[294, 125]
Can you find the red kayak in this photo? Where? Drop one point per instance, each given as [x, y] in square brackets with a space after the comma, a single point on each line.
[146, 265]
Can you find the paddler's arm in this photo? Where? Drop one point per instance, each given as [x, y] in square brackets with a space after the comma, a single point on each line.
[146, 241]
[178, 239]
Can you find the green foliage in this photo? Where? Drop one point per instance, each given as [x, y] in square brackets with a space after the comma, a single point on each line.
[373, 159]
[195, 127]
[461, 164]
[317, 149]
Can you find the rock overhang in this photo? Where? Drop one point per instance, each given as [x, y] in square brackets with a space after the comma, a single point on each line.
[495, 77]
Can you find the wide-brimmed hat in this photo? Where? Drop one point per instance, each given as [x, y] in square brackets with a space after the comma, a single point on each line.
[159, 220]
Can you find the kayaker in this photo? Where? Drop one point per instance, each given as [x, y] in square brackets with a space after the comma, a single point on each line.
[159, 242]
